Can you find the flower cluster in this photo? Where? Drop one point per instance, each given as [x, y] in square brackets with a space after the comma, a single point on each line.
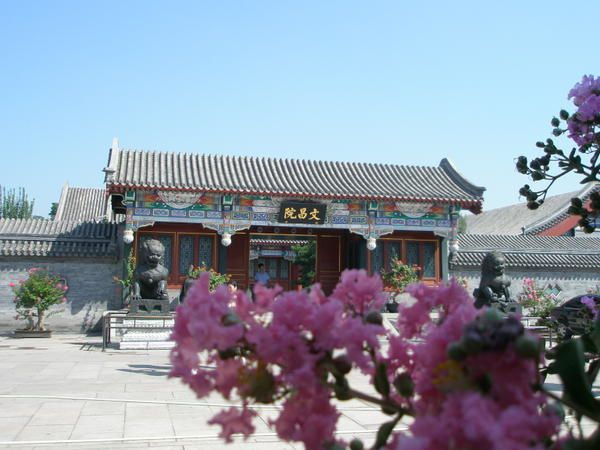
[467, 377]
[35, 295]
[586, 96]
[279, 347]
[591, 305]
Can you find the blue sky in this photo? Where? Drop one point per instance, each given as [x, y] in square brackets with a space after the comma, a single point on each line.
[390, 82]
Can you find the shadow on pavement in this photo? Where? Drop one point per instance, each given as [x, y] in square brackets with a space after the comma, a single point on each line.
[148, 369]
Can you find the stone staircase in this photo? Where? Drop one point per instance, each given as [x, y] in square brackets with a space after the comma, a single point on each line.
[138, 332]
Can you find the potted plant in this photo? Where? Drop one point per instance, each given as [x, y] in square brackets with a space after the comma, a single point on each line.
[399, 276]
[34, 297]
[194, 273]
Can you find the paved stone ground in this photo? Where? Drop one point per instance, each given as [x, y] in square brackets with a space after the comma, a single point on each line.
[64, 392]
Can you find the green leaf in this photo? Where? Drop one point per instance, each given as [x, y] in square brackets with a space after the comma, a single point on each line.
[384, 433]
[570, 365]
[593, 370]
[592, 443]
[382, 384]
[595, 335]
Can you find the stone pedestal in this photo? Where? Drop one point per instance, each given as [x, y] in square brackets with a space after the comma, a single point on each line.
[150, 306]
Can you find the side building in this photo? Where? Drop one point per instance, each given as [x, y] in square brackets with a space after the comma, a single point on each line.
[80, 245]
[543, 244]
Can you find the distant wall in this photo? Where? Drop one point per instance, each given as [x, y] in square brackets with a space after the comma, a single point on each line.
[91, 290]
[570, 282]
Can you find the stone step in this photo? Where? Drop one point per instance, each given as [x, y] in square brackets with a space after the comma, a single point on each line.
[143, 335]
[145, 345]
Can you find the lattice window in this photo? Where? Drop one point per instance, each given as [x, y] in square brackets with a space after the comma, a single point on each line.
[412, 253]
[284, 270]
[378, 258]
[205, 251]
[428, 259]
[186, 253]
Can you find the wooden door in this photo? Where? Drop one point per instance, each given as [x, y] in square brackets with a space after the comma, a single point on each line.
[328, 261]
[237, 259]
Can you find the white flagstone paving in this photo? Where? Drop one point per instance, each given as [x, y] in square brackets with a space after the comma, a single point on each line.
[64, 392]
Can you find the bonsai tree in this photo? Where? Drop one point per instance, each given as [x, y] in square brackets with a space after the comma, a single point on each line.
[398, 277]
[36, 295]
[538, 302]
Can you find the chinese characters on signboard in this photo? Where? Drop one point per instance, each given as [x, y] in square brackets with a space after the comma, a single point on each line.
[297, 212]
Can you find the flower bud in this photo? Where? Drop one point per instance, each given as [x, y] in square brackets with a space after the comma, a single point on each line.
[564, 115]
[342, 364]
[404, 385]
[527, 347]
[230, 319]
[456, 351]
[356, 444]
[492, 316]
[374, 317]
[472, 342]
[555, 122]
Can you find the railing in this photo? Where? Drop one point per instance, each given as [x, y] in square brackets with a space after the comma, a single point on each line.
[116, 322]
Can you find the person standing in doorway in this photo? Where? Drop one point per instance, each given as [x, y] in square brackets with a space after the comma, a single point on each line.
[262, 276]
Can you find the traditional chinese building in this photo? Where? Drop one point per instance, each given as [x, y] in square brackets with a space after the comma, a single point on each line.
[232, 213]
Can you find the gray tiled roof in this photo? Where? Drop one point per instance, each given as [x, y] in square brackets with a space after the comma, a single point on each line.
[49, 238]
[518, 219]
[289, 177]
[82, 204]
[531, 251]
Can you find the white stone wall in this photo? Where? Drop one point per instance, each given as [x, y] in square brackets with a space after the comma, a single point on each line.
[91, 291]
[570, 282]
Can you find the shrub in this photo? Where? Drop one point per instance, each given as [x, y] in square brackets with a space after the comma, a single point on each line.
[36, 295]
[538, 301]
[216, 278]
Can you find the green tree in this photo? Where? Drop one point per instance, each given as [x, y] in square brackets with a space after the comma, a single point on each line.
[305, 259]
[53, 210]
[15, 204]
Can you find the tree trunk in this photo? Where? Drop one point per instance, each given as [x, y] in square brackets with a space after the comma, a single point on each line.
[41, 319]
[30, 324]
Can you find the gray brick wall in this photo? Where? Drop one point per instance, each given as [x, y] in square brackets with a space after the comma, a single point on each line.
[571, 283]
[91, 290]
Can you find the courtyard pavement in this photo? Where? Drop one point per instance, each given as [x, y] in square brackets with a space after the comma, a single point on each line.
[64, 392]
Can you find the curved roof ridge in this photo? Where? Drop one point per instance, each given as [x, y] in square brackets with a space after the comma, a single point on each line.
[448, 166]
[562, 210]
[269, 175]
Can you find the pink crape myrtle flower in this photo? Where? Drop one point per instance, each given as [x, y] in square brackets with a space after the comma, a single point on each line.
[296, 348]
[450, 405]
[233, 421]
[590, 304]
[308, 417]
[359, 291]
